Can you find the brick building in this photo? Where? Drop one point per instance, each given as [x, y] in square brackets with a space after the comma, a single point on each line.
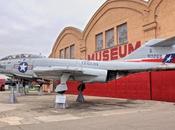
[116, 29]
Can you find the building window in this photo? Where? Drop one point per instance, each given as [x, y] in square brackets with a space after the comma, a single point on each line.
[110, 38]
[62, 54]
[67, 53]
[99, 41]
[122, 33]
[72, 51]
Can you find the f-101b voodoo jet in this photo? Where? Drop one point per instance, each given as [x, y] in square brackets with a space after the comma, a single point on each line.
[154, 55]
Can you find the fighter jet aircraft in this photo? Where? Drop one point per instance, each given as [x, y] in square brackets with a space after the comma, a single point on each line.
[154, 55]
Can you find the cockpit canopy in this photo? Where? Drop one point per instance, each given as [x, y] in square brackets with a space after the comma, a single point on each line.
[21, 56]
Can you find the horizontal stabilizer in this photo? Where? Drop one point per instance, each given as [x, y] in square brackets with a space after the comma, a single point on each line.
[163, 43]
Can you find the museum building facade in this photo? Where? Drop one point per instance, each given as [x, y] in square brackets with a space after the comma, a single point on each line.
[116, 29]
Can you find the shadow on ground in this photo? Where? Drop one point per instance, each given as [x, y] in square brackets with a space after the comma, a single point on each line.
[44, 105]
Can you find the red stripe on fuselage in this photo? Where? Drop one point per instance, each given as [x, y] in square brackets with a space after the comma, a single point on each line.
[145, 60]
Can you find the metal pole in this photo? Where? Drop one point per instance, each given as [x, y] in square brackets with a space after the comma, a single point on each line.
[12, 94]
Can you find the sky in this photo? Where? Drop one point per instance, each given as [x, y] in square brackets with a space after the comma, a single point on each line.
[32, 26]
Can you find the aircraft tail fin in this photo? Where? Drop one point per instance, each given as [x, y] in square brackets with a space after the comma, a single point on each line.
[154, 49]
[163, 43]
[169, 58]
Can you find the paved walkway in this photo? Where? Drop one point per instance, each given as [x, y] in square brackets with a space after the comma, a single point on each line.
[35, 112]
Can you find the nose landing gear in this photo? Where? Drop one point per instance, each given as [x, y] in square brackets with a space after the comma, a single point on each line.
[60, 99]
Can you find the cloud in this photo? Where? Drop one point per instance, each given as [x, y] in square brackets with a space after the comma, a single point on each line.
[32, 26]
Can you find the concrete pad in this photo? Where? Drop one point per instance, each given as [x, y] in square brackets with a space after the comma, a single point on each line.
[11, 120]
[35, 112]
[8, 107]
[57, 118]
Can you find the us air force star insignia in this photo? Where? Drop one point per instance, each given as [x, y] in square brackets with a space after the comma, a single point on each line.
[23, 67]
[169, 58]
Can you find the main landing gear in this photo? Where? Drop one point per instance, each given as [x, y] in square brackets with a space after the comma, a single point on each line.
[80, 97]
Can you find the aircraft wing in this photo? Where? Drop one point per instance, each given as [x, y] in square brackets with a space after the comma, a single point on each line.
[55, 71]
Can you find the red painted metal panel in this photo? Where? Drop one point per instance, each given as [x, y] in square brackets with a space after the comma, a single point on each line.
[96, 89]
[2, 84]
[2, 81]
[135, 86]
[72, 87]
[101, 89]
[147, 85]
[163, 86]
